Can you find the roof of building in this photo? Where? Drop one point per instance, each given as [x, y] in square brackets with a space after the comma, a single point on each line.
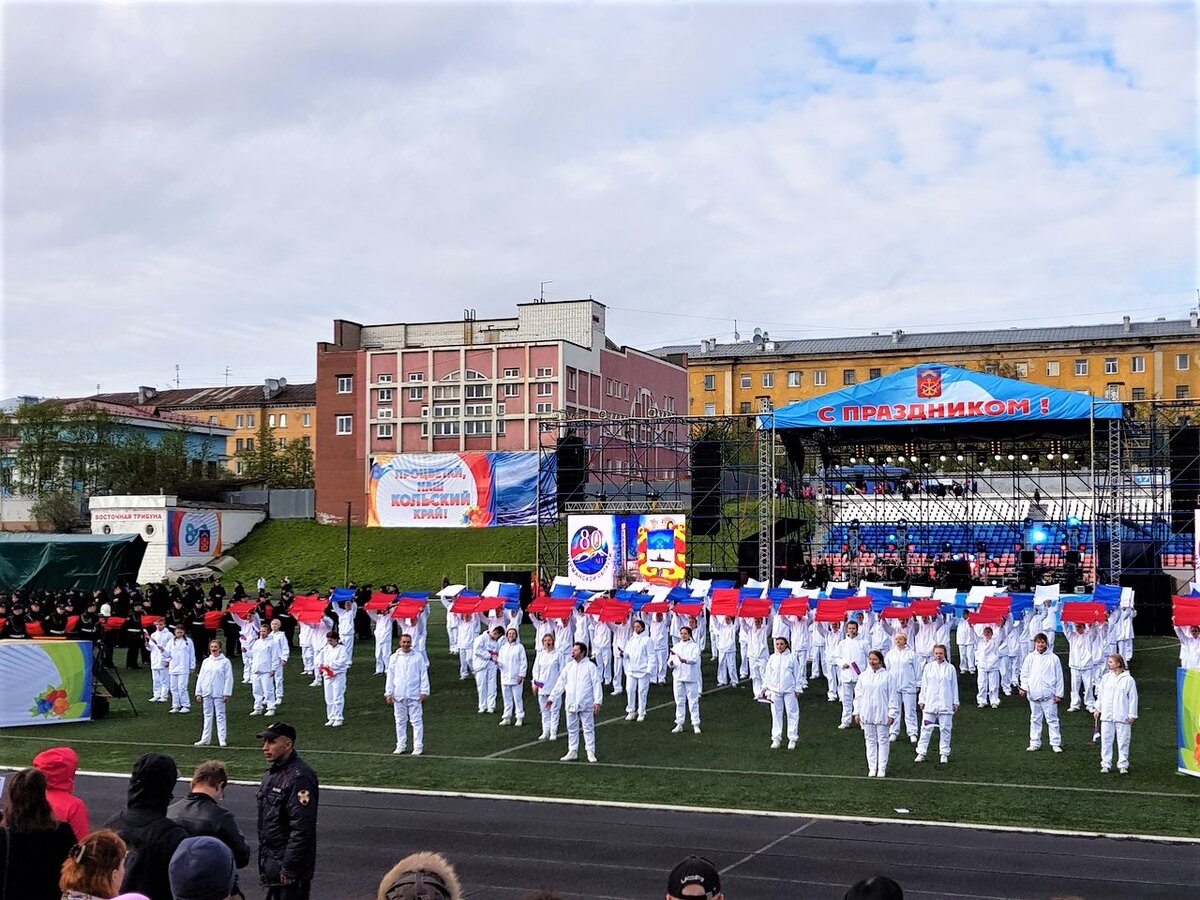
[215, 397]
[901, 341]
[144, 413]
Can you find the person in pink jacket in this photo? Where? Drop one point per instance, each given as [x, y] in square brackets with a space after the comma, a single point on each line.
[59, 765]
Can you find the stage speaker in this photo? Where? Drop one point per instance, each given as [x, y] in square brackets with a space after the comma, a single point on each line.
[1152, 595]
[706, 487]
[1185, 477]
[1028, 557]
[99, 706]
[1073, 557]
[572, 459]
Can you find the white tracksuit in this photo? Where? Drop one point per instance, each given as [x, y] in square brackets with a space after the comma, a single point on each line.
[756, 651]
[781, 685]
[485, 651]
[345, 628]
[831, 634]
[639, 670]
[335, 660]
[874, 704]
[1120, 632]
[317, 641]
[308, 649]
[725, 640]
[247, 634]
[513, 664]
[659, 639]
[213, 685]
[1042, 682]
[407, 683]
[159, 664]
[1085, 658]
[181, 660]
[987, 662]
[621, 632]
[546, 667]
[465, 632]
[929, 634]
[285, 653]
[903, 668]
[1118, 705]
[850, 656]
[602, 649]
[579, 687]
[381, 622]
[966, 647]
[799, 638]
[264, 660]
[938, 699]
[1189, 648]
[685, 661]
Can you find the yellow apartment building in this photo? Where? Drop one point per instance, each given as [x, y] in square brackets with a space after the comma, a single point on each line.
[290, 409]
[1125, 361]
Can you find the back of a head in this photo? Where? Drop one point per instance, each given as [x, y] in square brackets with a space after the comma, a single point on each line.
[59, 765]
[153, 781]
[421, 876]
[26, 807]
[202, 869]
[694, 877]
[878, 888]
[92, 863]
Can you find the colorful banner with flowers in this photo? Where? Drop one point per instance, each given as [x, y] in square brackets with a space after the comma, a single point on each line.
[1188, 683]
[45, 682]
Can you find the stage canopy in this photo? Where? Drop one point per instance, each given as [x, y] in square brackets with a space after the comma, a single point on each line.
[935, 393]
[65, 561]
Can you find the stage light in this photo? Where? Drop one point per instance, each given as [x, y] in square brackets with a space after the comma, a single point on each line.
[1038, 536]
[942, 457]
[998, 457]
[903, 523]
[959, 457]
[853, 460]
[889, 460]
[1073, 521]
[1025, 457]
[1066, 456]
[1049, 456]
[871, 460]
[1011, 457]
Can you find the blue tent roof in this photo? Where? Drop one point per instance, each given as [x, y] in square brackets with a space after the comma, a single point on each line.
[938, 392]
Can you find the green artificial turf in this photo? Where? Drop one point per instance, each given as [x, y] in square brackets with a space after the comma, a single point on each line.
[990, 779]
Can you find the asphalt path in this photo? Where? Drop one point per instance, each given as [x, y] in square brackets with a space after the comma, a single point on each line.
[511, 848]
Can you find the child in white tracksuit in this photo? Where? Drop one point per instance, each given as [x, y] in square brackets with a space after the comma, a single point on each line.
[875, 710]
[214, 686]
[987, 651]
[725, 639]
[684, 660]
[1087, 651]
[781, 685]
[485, 653]
[382, 626]
[513, 664]
[903, 668]
[639, 671]
[264, 660]
[546, 667]
[1042, 683]
[1116, 708]
[159, 662]
[966, 646]
[332, 662]
[181, 662]
[938, 702]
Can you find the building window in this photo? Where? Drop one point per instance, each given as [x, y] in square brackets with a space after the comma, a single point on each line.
[571, 380]
[499, 426]
[1182, 362]
[849, 376]
[475, 375]
[624, 390]
[479, 392]
[384, 431]
[240, 421]
[344, 424]
[416, 393]
[385, 395]
[306, 441]
[545, 372]
[212, 420]
[306, 420]
[385, 378]
[819, 378]
[545, 407]
[1110, 365]
[237, 445]
[449, 411]
[512, 390]
[250, 420]
[1021, 370]
[744, 407]
[385, 412]
[710, 382]
[1137, 364]
[1081, 367]
[768, 379]
[1181, 392]
[283, 420]
[1112, 390]
[237, 468]
[477, 409]
[501, 409]
[1137, 394]
[445, 392]
[281, 443]
[874, 373]
[795, 378]
[271, 420]
[424, 412]
[345, 384]
[1052, 368]
[991, 368]
[512, 373]
[482, 426]
[745, 380]
[445, 429]
[545, 388]
[249, 443]
[416, 376]
[710, 409]
[424, 429]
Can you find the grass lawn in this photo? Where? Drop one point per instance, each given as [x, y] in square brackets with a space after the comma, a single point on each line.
[990, 778]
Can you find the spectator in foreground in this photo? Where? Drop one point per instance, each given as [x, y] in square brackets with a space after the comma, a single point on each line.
[202, 869]
[95, 868]
[33, 844]
[694, 877]
[59, 765]
[878, 888]
[144, 826]
[421, 876]
[201, 813]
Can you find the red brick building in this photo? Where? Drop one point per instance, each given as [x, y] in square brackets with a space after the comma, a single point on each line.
[471, 384]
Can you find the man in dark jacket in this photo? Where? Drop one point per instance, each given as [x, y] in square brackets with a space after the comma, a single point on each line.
[287, 817]
[201, 814]
[144, 826]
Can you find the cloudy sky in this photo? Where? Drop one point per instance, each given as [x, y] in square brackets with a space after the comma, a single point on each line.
[209, 186]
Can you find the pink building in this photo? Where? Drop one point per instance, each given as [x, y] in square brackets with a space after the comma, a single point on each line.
[472, 385]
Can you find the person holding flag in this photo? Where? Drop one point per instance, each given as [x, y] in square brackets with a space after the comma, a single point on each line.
[513, 664]
[781, 689]
[1087, 648]
[639, 669]
[264, 660]
[382, 625]
[406, 689]
[214, 687]
[332, 662]
[875, 710]
[756, 652]
[247, 633]
[318, 637]
[546, 667]
[725, 640]
[684, 661]
[579, 687]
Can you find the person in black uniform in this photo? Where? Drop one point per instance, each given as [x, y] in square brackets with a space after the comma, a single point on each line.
[287, 817]
[196, 629]
[56, 622]
[14, 626]
[134, 637]
[89, 623]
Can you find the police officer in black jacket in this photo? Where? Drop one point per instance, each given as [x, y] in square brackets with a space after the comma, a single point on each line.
[287, 817]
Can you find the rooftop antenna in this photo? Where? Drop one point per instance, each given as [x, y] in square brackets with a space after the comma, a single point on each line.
[176, 374]
[542, 295]
[227, 376]
[736, 337]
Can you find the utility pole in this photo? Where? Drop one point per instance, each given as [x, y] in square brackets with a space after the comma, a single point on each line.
[346, 579]
[542, 295]
[177, 375]
[227, 376]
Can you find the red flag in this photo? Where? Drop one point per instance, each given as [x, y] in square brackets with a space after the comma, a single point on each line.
[897, 612]
[754, 609]
[73, 622]
[379, 602]
[794, 606]
[464, 605]
[212, 618]
[1082, 611]
[113, 623]
[855, 604]
[615, 611]
[831, 610]
[985, 617]
[657, 606]
[725, 601]
[925, 606]
[408, 608]
[34, 629]
[241, 608]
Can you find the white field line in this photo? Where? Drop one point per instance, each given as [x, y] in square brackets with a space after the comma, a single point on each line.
[769, 846]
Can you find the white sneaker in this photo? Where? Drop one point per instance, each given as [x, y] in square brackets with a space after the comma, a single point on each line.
[617, 692]
[678, 729]
[843, 726]
[1056, 749]
[630, 717]
[892, 738]
[543, 736]
[223, 744]
[256, 712]
[200, 744]
[329, 721]
[504, 722]
[270, 710]
[642, 717]
[774, 745]
[1032, 747]
[591, 757]
[173, 709]
[944, 759]
[1123, 770]
[920, 758]
[337, 723]
[791, 745]
[518, 723]
[314, 684]
[1104, 770]
[417, 751]
[912, 738]
[695, 729]
[881, 774]
[871, 774]
[996, 705]
[570, 757]
[397, 751]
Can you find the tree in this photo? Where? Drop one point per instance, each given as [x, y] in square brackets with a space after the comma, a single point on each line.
[259, 462]
[38, 459]
[295, 469]
[56, 510]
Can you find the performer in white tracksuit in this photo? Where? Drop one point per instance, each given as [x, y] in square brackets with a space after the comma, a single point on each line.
[1121, 631]
[159, 662]
[345, 613]
[1085, 656]
[987, 658]
[264, 661]
[382, 625]
[318, 640]
[181, 662]
[966, 646]
[279, 636]
[247, 634]
[546, 667]
[513, 665]
[875, 710]
[620, 637]
[725, 640]
[485, 654]
[756, 651]
[659, 639]
[1189, 646]
[1116, 708]
[781, 685]
[938, 700]
[579, 687]
[407, 688]
[904, 670]
[466, 630]
[214, 686]
[800, 638]
[831, 636]
[850, 657]
[1042, 683]
[332, 662]
[639, 670]
[602, 648]
[684, 660]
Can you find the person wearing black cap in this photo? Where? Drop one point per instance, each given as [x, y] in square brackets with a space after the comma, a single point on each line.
[287, 817]
[694, 877]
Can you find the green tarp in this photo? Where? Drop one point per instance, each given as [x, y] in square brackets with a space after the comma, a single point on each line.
[62, 561]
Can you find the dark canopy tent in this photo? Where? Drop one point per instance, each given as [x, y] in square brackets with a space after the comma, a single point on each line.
[66, 561]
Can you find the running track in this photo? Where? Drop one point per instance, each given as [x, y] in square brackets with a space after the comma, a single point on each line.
[508, 848]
